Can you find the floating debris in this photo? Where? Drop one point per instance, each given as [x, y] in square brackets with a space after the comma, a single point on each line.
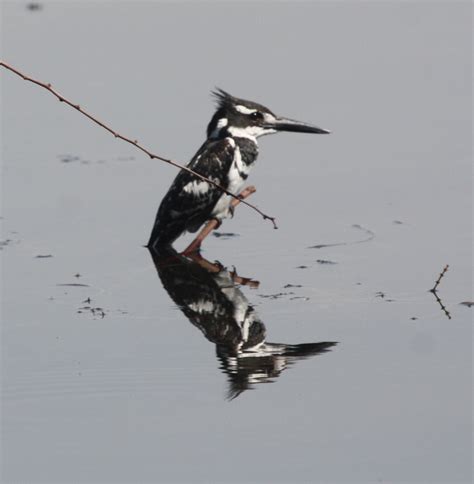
[225, 234]
[73, 284]
[5, 243]
[68, 158]
[301, 267]
[45, 256]
[299, 297]
[397, 222]
[380, 294]
[275, 296]
[34, 6]
[327, 262]
[370, 236]
[468, 304]
[96, 312]
[291, 285]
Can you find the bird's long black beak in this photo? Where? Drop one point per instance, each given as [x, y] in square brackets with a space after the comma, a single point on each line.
[285, 124]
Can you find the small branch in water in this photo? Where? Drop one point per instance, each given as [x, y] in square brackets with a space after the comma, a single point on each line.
[434, 291]
[443, 272]
[443, 307]
[131, 141]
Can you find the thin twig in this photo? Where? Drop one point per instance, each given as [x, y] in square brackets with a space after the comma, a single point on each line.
[443, 272]
[443, 307]
[135, 143]
[434, 290]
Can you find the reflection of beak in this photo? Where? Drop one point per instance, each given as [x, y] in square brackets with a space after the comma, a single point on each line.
[285, 124]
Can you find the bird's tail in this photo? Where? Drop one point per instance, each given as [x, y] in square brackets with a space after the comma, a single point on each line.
[163, 236]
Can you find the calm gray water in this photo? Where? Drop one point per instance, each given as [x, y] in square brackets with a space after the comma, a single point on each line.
[134, 391]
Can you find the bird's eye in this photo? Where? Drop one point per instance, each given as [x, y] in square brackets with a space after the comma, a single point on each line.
[257, 115]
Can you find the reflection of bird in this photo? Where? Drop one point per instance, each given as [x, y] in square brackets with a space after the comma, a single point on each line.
[264, 363]
[213, 303]
[226, 158]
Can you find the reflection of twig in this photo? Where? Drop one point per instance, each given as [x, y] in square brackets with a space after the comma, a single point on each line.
[448, 315]
[216, 267]
[135, 143]
[434, 290]
[443, 272]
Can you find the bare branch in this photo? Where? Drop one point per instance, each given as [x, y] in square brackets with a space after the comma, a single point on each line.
[135, 143]
[434, 290]
[443, 272]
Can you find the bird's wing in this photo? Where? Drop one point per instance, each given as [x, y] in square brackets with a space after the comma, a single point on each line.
[190, 201]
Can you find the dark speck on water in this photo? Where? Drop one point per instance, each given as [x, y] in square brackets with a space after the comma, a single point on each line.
[275, 296]
[69, 158]
[45, 256]
[468, 304]
[225, 234]
[291, 285]
[301, 267]
[368, 232]
[73, 284]
[34, 7]
[4, 243]
[327, 262]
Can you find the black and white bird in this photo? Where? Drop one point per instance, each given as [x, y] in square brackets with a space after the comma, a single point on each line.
[216, 305]
[226, 158]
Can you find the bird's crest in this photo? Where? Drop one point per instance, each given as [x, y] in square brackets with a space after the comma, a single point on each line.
[223, 98]
[228, 102]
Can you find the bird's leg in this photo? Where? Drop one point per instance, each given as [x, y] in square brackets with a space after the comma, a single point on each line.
[212, 224]
[244, 281]
[215, 267]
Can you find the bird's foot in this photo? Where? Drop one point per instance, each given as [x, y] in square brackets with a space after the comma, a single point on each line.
[214, 223]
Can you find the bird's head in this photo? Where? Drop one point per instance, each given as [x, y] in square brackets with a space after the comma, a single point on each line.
[246, 119]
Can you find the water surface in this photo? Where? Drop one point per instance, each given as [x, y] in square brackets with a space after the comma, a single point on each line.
[110, 372]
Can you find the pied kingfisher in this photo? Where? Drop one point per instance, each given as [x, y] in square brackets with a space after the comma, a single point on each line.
[215, 304]
[226, 158]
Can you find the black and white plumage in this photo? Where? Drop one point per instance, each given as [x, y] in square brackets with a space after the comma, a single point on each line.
[213, 303]
[226, 158]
